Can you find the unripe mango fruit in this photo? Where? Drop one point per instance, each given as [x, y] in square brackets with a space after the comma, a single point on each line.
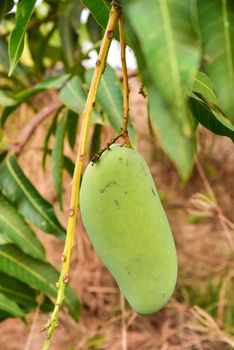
[126, 223]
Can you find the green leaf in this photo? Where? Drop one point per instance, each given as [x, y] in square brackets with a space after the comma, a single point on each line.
[207, 118]
[37, 274]
[55, 82]
[14, 228]
[72, 123]
[68, 18]
[57, 157]
[5, 7]
[68, 165]
[16, 44]
[202, 85]
[10, 306]
[18, 292]
[181, 149]
[6, 98]
[168, 57]
[170, 50]
[21, 193]
[51, 129]
[110, 98]
[74, 97]
[100, 10]
[216, 21]
[96, 140]
[206, 110]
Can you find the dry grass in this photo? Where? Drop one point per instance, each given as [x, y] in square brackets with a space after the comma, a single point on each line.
[200, 314]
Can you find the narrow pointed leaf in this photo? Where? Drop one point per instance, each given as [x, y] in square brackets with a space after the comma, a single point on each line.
[203, 86]
[16, 44]
[14, 228]
[73, 95]
[169, 45]
[216, 22]
[100, 10]
[72, 124]
[51, 129]
[10, 306]
[35, 273]
[57, 157]
[5, 7]
[96, 140]
[181, 149]
[22, 194]
[208, 118]
[18, 292]
[55, 82]
[110, 98]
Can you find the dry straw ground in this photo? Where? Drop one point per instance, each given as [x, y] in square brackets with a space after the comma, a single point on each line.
[200, 314]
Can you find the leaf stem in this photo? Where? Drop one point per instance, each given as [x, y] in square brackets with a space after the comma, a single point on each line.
[125, 82]
[86, 116]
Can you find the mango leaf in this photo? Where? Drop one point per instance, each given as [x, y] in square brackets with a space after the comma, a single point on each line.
[217, 39]
[35, 273]
[181, 149]
[96, 140]
[20, 73]
[5, 7]
[110, 98]
[100, 10]
[74, 97]
[170, 50]
[16, 43]
[57, 157]
[202, 85]
[168, 58]
[10, 306]
[18, 292]
[209, 119]
[55, 82]
[72, 123]
[69, 165]
[23, 195]
[14, 228]
[6, 98]
[202, 91]
[68, 24]
[51, 129]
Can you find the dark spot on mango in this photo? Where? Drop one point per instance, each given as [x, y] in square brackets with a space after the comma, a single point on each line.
[117, 203]
[110, 183]
[153, 191]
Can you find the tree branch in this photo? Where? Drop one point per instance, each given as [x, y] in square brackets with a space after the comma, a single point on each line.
[29, 129]
[72, 214]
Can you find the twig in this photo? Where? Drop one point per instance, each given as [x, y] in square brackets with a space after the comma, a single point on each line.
[97, 156]
[33, 124]
[86, 116]
[213, 207]
[33, 326]
[123, 321]
[125, 82]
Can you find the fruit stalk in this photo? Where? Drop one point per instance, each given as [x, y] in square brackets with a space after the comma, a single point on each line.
[75, 187]
[125, 82]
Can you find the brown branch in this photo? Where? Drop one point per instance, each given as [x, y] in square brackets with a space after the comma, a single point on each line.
[125, 81]
[29, 129]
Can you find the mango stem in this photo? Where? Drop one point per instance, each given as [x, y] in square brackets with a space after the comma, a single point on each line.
[125, 83]
[75, 186]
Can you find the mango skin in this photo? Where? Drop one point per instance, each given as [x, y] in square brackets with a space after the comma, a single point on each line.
[125, 221]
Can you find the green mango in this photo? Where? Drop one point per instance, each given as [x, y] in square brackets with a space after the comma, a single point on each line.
[125, 221]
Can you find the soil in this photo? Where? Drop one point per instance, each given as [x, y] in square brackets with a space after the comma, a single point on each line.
[203, 239]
